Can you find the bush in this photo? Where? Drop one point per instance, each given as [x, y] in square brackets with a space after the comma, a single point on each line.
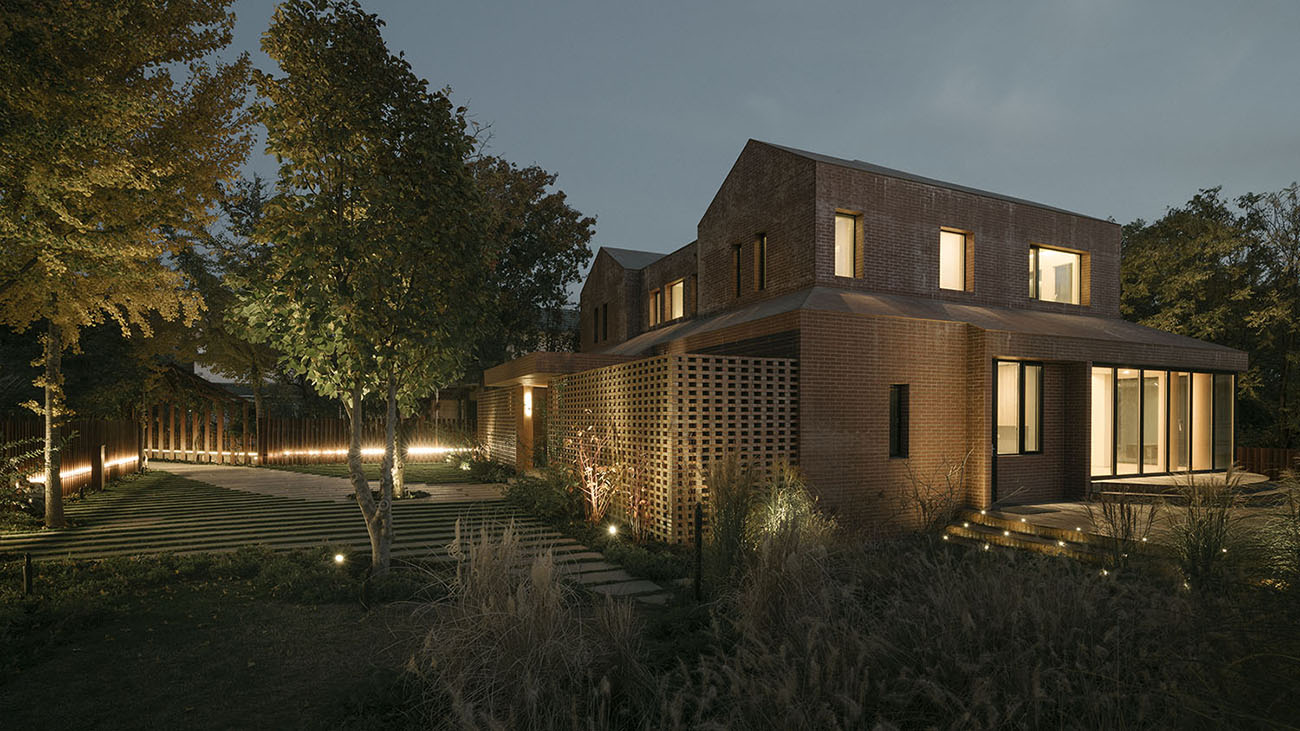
[513, 649]
[1281, 536]
[1206, 534]
[486, 469]
[552, 496]
[732, 488]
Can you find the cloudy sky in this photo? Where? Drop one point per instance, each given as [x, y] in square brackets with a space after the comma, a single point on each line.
[1110, 108]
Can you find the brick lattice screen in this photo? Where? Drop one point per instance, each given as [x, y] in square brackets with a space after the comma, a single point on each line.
[672, 414]
[496, 424]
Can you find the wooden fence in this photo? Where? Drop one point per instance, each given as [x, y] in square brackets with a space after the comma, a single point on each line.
[224, 434]
[1268, 461]
[96, 450]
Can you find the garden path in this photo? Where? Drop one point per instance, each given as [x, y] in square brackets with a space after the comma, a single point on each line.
[222, 508]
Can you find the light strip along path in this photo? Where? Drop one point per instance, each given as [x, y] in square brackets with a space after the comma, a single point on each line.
[223, 508]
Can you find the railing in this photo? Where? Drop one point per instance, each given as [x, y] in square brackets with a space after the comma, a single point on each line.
[96, 451]
[1268, 461]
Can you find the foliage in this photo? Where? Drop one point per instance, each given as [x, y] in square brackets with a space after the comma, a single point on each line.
[545, 245]
[601, 471]
[552, 496]
[379, 252]
[104, 157]
[1124, 526]
[1229, 274]
[509, 648]
[733, 490]
[1281, 537]
[1206, 534]
[936, 495]
[485, 469]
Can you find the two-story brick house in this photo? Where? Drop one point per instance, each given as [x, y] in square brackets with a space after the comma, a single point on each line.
[875, 326]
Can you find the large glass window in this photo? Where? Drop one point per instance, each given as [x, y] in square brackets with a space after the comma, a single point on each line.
[677, 299]
[1222, 421]
[1054, 275]
[1180, 420]
[1128, 418]
[846, 245]
[952, 260]
[1103, 421]
[1019, 407]
[1202, 432]
[1154, 432]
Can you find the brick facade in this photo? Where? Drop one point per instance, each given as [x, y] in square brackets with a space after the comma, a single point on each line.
[851, 338]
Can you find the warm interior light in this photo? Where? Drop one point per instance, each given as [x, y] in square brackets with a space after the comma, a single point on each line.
[528, 402]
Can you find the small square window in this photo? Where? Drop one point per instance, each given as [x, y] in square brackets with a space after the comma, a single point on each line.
[1054, 275]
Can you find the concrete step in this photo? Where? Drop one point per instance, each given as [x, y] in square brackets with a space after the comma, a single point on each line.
[985, 535]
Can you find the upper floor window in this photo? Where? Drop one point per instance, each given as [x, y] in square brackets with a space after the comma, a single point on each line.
[735, 266]
[676, 299]
[604, 321]
[656, 307]
[846, 245]
[952, 260]
[1054, 275]
[595, 324]
[760, 262]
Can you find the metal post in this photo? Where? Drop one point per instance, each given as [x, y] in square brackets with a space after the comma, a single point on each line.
[699, 552]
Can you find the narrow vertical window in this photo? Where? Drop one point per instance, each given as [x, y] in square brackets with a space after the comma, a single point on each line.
[677, 299]
[1008, 384]
[952, 260]
[595, 324]
[735, 267]
[898, 420]
[846, 245]
[1019, 407]
[656, 307]
[1032, 403]
[1103, 421]
[604, 321]
[760, 262]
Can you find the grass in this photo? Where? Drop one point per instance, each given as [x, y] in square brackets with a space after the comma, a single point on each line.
[430, 473]
[240, 640]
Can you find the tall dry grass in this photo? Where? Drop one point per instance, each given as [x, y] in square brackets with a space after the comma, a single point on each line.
[1207, 537]
[1124, 526]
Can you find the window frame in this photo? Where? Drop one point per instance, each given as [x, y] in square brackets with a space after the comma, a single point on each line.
[667, 301]
[855, 246]
[1021, 407]
[965, 259]
[900, 426]
[736, 257]
[604, 322]
[1035, 269]
[656, 307]
[760, 262]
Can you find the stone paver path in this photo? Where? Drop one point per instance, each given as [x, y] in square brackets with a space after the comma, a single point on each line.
[222, 508]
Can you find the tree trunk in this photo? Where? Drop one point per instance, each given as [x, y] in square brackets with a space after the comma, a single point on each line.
[53, 403]
[399, 458]
[378, 517]
[257, 410]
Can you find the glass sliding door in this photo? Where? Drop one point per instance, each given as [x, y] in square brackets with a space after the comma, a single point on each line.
[1128, 420]
[1222, 421]
[1103, 421]
[1154, 431]
[1180, 394]
[1202, 425]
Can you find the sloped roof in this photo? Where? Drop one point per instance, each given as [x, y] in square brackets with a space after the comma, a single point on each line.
[902, 175]
[631, 258]
[1001, 319]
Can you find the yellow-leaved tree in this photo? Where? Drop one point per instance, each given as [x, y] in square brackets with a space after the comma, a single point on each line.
[117, 125]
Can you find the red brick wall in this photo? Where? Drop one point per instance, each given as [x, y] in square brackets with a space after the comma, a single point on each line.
[900, 222]
[771, 192]
[609, 283]
[680, 264]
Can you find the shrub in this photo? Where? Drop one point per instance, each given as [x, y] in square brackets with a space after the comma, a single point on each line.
[732, 488]
[510, 648]
[1205, 530]
[552, 496]
[1124, 527]
[1282, 536]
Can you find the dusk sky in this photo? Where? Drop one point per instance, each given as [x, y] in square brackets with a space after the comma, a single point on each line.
[1113, 109]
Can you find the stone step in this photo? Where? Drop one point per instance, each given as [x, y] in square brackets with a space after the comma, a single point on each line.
[984, 535]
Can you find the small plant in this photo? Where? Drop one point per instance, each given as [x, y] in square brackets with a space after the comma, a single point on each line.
[552, 496]
[732, 488]
[1124, 526]
[601, 472]
[1282, 535]
[1205, 527]
[936, 496]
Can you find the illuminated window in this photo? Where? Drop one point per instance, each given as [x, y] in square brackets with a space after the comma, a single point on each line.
[846, 245]
[898, 420]
[1054, 275]
[656, 307]
[952, 260]
[1019, 407]
[760, 261]
[676, 299]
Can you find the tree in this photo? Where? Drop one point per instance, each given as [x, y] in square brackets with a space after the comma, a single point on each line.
[103, 151]
[545, 245]
[378, 256]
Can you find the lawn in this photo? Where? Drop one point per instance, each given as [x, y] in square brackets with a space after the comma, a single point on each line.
[242, 640]
[432, 473]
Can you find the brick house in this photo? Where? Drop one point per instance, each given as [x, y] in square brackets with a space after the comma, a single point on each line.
[871, 326]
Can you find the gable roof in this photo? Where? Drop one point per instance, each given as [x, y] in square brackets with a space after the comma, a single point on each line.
[632, 259]
[902, 175]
